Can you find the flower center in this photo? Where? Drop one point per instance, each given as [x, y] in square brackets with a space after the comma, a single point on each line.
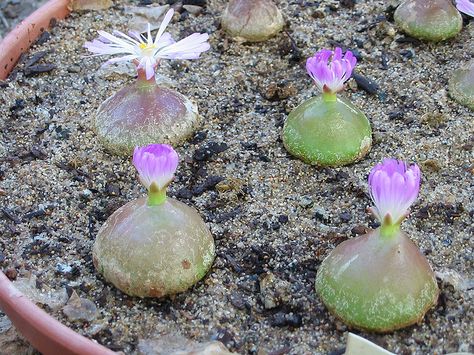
[147, 49]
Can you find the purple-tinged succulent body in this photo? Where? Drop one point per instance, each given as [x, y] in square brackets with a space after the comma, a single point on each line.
[381, 281]
[144, 112]
[252, 20]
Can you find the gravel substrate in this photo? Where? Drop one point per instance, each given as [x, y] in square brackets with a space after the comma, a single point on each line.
[273, 217]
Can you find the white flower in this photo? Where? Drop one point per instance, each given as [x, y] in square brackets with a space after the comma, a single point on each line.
[465, 6]
[146, 51]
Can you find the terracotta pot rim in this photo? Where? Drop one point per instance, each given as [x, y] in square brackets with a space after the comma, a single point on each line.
[20, 39]
[45, 333]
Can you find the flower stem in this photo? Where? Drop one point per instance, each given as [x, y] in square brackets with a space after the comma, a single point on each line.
[156, 197]
[143, 81]
[329, 96]
[389, 231]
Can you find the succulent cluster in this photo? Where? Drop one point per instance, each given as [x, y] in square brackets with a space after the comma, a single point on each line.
[156, 246]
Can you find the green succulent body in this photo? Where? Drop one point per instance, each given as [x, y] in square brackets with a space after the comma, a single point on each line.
[461, 86]
[154, 250]
[377, 284]
[327, 133]
[431, 20]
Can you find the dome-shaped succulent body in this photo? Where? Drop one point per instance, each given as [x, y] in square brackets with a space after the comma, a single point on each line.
[327, 133]
[461, 85]
[154, 250]
[432, 20]
[144, 113]
[252, 20]
[376, 283]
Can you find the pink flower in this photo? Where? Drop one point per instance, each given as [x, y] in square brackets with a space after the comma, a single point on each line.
[330, 76]
[394, 187]
[156, 164]
[465, 6]
[147, 51]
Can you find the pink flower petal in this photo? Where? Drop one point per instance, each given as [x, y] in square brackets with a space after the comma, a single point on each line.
[155, 163]
[394, 187]
[331, 74]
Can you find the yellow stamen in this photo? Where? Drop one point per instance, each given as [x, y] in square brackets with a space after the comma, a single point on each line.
[147, 48]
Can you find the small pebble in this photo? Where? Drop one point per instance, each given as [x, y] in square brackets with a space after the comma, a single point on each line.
[80, 309]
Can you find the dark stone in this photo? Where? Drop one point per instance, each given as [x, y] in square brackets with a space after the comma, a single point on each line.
[11, 273]
[237, 300]
[39, 69]
[322, 216]
[395, 115]
[199, 137]
[345, 216]
[249, 284]
[34, 214]
[341, 351]
[184, 193]
[9, 214]
[374, 224]
[366, 84]
[112, 189]
[283, 219]
[38, 153]
[207, 185]
[225, 216]
[282, 319]
[235, 265]
[280, 91]
[35, 58]
[347, 3]
[201, 3]
[225, 337]
[44, 37]
[208, 151]
[384, 60]
[359, 230]
[407, 53]
[18, 105]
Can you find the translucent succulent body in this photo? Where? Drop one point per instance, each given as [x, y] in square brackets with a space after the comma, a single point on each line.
[154, 250]
[432, 20]
[144, 113]
[327, 132]
[461, 86]
[252, 20]
[377, 283]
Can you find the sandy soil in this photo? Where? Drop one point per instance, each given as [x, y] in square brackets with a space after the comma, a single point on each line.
[280, 217]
